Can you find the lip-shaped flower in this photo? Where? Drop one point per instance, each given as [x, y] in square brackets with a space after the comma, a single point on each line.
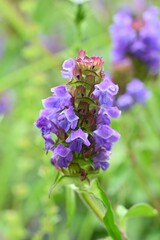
[61, 156]
[45, 125]
[49, 143]
[105, 114]
[105, 91]
[105, 136]
[68, 67]
[76, 139]
[100, 159]
[104, 131]
[68, 119]
[59, 100]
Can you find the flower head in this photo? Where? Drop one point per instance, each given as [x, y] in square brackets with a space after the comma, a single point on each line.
[137, 37]
[78, 115]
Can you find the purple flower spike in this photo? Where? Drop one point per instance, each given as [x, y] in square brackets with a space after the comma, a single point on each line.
[105, 92]
[76, 118]
[61, 156]
[68, 119]
[77, 138]
[100, 160]
[138, 91]
[68, 66]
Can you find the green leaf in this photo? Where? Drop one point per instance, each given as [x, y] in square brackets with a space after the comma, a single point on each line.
[63, 180]
[141, 209]
[108, 219]
[70, 205]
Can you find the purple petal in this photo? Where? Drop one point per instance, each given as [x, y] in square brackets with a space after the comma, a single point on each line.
[104, 131]
[68, 64]
[78, 134]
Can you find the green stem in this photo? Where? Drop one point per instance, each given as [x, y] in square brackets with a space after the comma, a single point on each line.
[92, 205]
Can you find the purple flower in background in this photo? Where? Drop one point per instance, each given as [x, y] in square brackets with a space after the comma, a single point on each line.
[53, 42]
[136, 92]
[75, 122]
[125, 102]
[7, 100]
[137, 37]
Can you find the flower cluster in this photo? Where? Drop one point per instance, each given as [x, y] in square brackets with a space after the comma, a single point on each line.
[75, 122]
[136, 92]
[137, 37]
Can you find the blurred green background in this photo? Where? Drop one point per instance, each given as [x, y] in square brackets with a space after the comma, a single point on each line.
[36, 36]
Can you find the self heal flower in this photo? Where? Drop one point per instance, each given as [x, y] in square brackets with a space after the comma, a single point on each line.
[45, 123]
[76, 138]
[68, 67]
[68, 119]
[49, 143]
[105, 91]
[60, 99]
[105, 114]
[100, 160]
[75, 122]
[61, 156]
[105, 136]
